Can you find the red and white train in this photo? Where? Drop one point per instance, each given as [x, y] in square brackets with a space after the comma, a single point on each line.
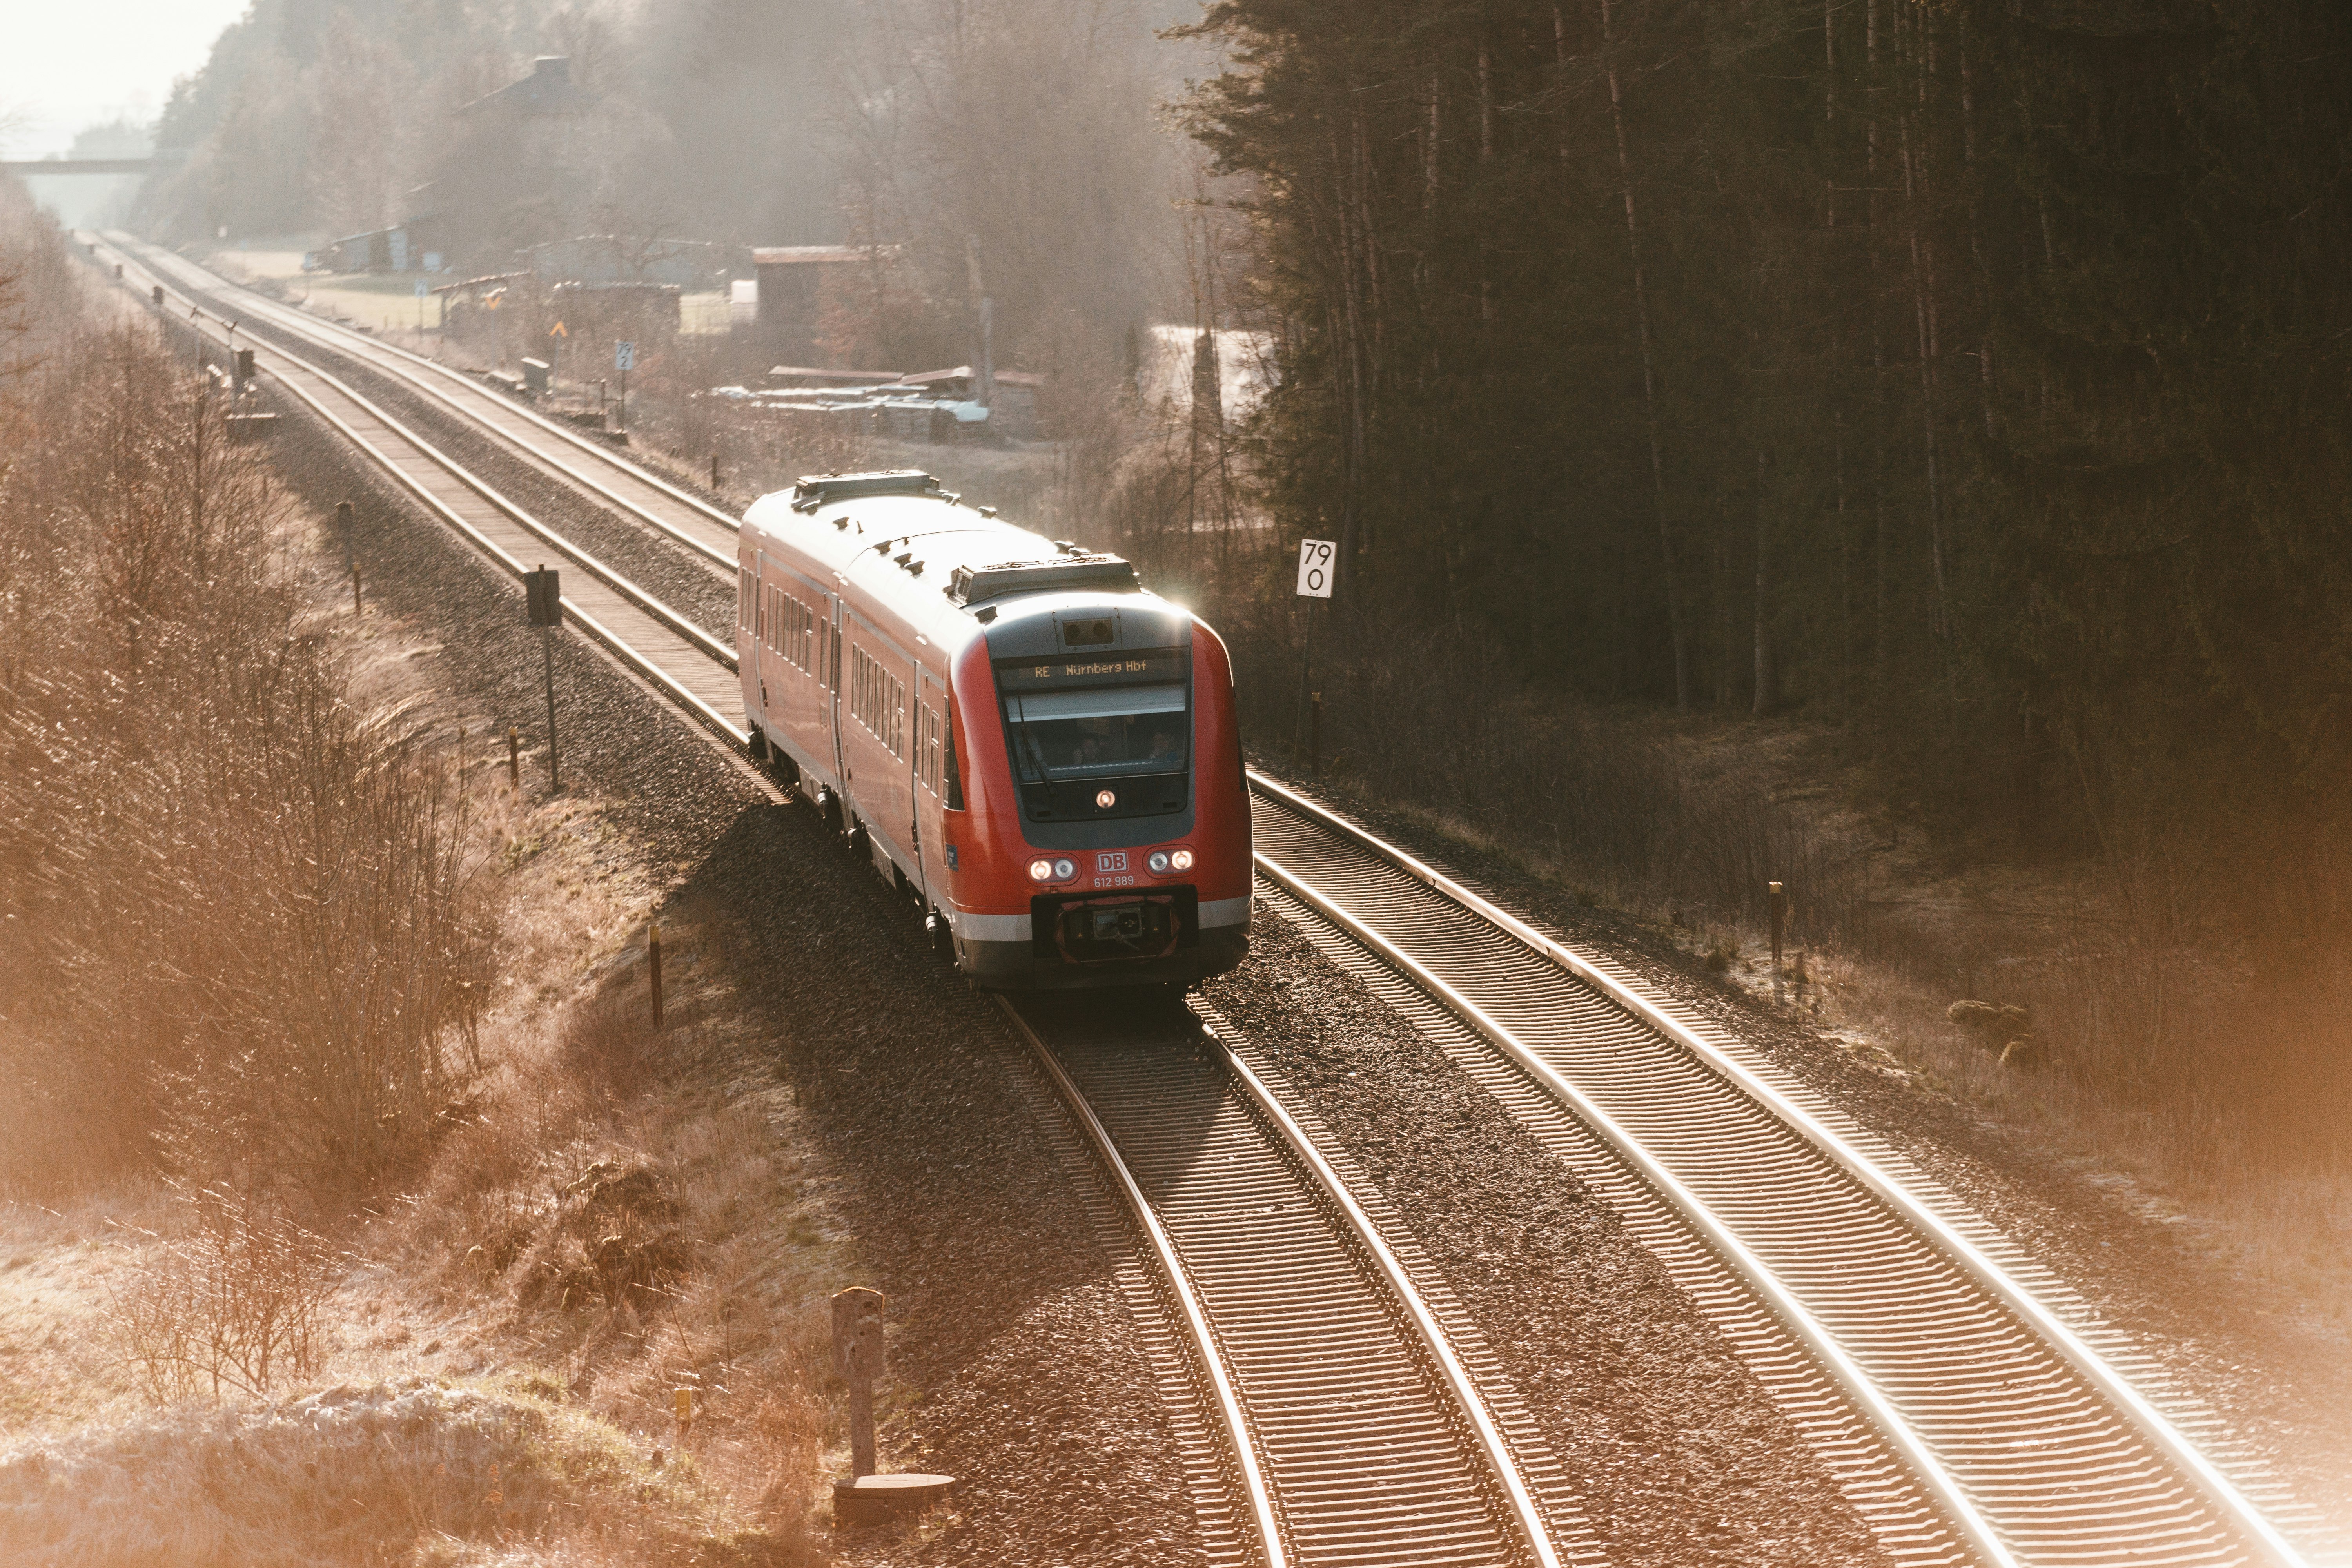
[1041, 754]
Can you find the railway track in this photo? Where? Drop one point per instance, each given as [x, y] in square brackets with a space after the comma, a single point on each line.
[1971, 1410]
[1334, 1410]
[1881, 1319]
[665, 644]
[1365, 1421]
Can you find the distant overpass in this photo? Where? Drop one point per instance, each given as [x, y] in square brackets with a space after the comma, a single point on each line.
[88, 165]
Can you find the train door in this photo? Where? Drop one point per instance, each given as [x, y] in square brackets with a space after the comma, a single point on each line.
[749, 597]
[829, 667]
[931, 777]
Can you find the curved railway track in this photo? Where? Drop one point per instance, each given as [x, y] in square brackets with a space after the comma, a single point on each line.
[1925, 1355]
[1372, 1429]
[668, 645]
[1972, 1410]
[557, 450]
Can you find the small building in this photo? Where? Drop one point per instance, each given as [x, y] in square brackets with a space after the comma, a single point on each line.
[795, 284]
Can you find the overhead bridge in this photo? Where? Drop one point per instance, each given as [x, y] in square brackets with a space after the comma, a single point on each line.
[30, 166]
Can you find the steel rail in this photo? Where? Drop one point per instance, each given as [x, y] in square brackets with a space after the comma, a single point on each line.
[1438, 1347]
[1461, 1498]
[369, 351]
[618, 582]
[1205, 1352]
[1849, 1380]
[1946, 1240]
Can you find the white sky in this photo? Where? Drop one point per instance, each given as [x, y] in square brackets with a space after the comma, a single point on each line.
[65, 64]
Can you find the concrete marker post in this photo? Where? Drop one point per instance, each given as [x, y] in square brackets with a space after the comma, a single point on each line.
[867, 1497]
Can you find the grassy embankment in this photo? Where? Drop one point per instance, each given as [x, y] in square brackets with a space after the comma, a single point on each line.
[351, 1208]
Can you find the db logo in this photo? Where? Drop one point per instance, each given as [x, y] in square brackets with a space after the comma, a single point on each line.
[1116, 862]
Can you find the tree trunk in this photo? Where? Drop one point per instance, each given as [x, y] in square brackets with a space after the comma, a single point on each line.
[1676, 630]
[1765, 697]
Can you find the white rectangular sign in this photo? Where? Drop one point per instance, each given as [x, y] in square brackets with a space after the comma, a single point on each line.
[1316, 557]
[625, 356]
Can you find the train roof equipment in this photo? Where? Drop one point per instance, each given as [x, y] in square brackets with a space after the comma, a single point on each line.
[983, 574]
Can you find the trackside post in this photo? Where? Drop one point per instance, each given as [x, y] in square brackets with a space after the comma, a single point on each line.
[867, 1497]
[544, 592]
[1318, 567]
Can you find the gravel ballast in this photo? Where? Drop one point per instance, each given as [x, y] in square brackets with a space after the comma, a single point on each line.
[1678, 1454]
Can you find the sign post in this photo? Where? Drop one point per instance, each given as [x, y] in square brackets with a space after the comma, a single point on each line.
[544, 592]
[1319, 560]
[625, 360]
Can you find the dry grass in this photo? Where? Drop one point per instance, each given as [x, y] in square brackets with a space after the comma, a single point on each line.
[389, 1017]
[416, 1471]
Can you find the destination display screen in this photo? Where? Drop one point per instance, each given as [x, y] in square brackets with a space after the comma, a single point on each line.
[1094, 668]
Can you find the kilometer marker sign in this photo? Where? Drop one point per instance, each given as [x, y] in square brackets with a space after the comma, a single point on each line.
[1316, 559]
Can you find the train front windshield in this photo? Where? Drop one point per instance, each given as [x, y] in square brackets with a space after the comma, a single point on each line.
[1106, 732]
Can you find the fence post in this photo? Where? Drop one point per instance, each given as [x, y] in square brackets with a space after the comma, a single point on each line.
[653, 965]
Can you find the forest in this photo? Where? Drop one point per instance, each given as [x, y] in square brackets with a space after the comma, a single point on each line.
[1970, 374]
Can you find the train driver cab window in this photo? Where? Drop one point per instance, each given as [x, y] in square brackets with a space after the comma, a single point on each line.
[1108, 733]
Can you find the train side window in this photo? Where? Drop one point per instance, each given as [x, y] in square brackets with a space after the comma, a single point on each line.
[948, 758]
[928, 747]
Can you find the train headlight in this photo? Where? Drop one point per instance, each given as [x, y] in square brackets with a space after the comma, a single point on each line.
[1065, 869]
[1159, 862]
[1104, 799]
[1041, 871]
[1182, 860]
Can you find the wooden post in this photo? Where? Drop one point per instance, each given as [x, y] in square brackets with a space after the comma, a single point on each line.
[682, 1406]
[1778, 902]
[514, 760]
[1315, 734]
[857, 1356]
[356, 607]
[714, 473]
[343, 518]
[653, 967]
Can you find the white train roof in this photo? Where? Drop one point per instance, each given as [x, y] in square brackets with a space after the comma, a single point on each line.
[941, 569]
